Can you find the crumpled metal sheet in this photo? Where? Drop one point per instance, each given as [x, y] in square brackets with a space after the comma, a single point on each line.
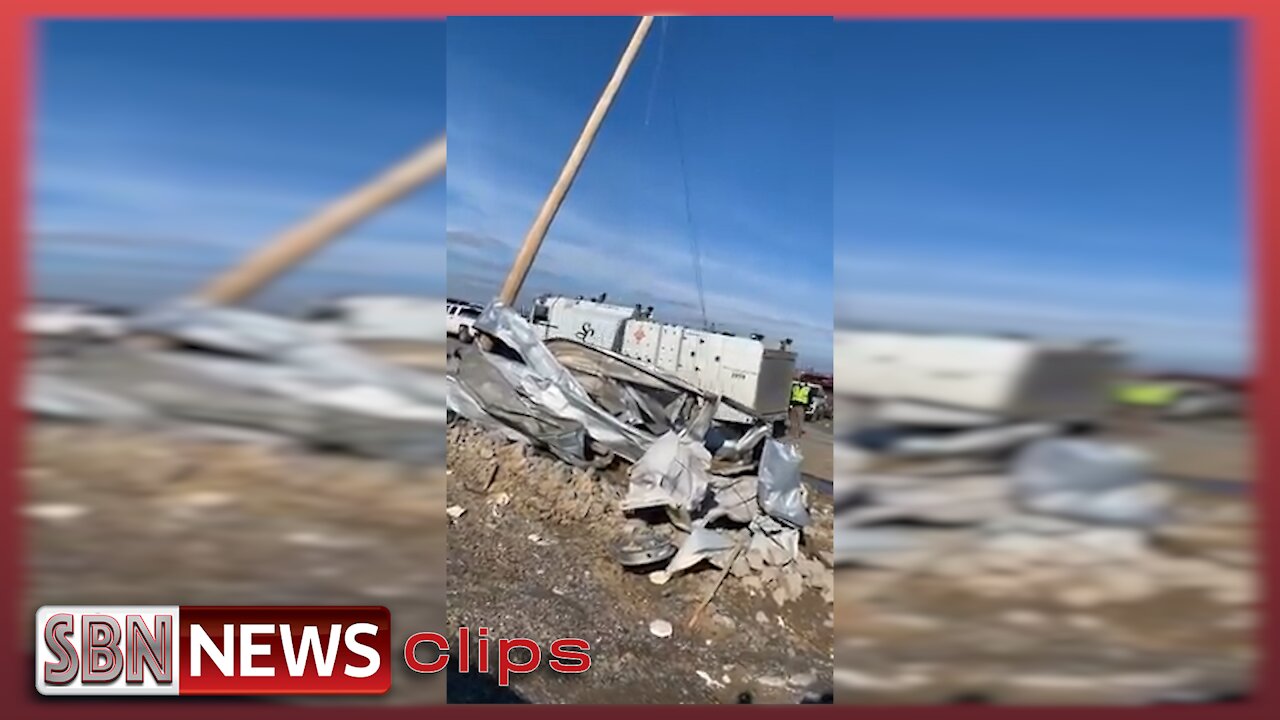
[535, 394]
[245, 369]
[66, 399]
[1089, 481]
[672, 473]
[781, 491]
[734, 498]
[703, 543]
[485, 388]
[972, 442]
[569, 398]
[778, 543]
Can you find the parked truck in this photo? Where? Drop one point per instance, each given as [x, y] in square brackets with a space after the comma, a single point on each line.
[740, 368]
[948, 378]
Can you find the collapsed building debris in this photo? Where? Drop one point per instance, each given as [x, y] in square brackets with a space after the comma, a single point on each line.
[1072, 513]
[695, 492]
[214, 367]
[989, 495]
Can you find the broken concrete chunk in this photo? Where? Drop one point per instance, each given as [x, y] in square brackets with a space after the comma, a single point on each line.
[661, 628]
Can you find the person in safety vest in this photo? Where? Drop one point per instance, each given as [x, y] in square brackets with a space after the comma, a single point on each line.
[799, 404]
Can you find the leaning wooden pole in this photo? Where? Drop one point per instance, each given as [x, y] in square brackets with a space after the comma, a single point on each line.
[538, 230]
[302, 240]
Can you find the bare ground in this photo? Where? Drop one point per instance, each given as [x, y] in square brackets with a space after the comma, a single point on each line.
[926, 638]
[529, 558]
[124, 517]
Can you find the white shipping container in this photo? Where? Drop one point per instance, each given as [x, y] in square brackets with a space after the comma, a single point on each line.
[586, 321]
[1010, 377]
[739, 368]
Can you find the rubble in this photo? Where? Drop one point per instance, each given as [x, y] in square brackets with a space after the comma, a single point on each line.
[211, 367]
[691, 494]
[660, 628]
[1041, 563]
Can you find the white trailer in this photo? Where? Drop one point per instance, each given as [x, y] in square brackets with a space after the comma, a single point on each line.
[587, 321]
[380, 317]
[1007, 378]
[739, 368]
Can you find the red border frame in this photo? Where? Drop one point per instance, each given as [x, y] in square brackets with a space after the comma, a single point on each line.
[1262, 126]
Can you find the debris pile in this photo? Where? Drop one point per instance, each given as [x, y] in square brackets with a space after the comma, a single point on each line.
[213, 371]
[748, 525]
[1076, 521]
[697, 491]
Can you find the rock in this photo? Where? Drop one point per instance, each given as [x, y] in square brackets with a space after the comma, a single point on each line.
[740, 567]
[725, 621]
[770, 575]
[793, 584]
[659, 577]
[753, 584]
[661, 628]
[810, 567]
[755, 559]
[780, 596]
[817, 580]
[762, 618]
[455, 511]
[802, 680]
[710, 681]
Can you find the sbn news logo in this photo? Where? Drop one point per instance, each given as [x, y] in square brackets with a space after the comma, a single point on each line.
[188, 650]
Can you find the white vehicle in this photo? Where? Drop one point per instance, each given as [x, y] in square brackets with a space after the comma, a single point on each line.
[72, 319]
[460, 319]
[985, 377]
[380, 318]
[739, 368]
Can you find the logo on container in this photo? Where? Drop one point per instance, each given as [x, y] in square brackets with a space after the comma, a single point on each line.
[212, 650]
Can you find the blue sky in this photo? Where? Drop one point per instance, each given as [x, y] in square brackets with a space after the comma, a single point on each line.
[165, 150]
[748, 101]
[1069, 179]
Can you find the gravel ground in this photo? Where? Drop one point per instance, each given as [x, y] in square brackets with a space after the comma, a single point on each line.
[528, 557]
[1134, 619]
[120, 517]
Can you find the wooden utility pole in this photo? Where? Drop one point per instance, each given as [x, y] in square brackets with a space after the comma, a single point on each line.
[538, 231]
[300, 241]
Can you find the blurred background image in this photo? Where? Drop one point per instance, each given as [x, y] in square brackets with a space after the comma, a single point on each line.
[235, 331]
[1042, 362]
